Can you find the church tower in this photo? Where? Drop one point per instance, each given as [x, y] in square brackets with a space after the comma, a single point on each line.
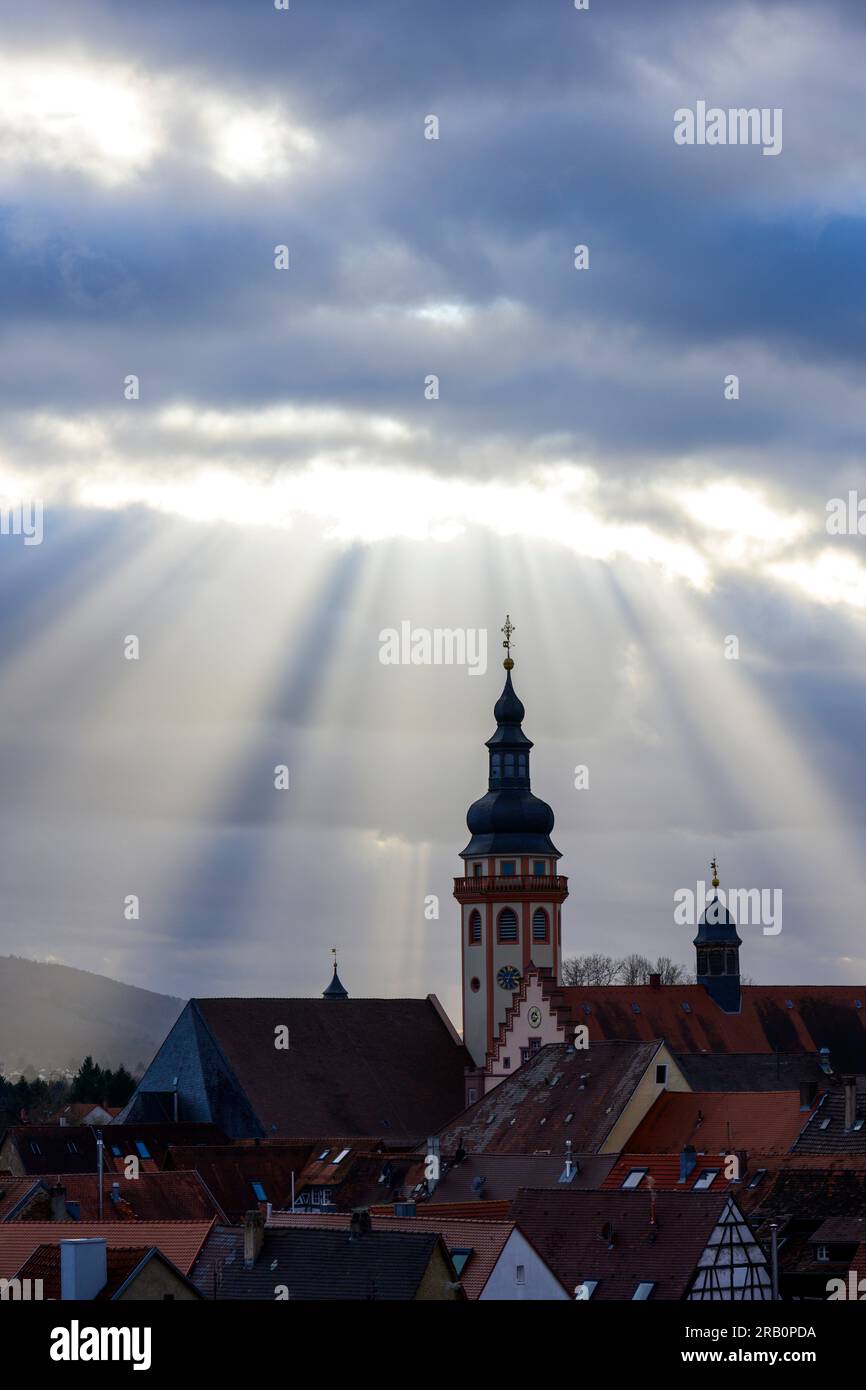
[511, 895]
[718, 953]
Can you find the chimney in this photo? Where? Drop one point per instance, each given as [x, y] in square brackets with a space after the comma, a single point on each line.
[808, 1092]
[254, 1237]
[360, 1222]
[83, 1269]
[850, 1101]
[57, 1195]
[114, 1194]
[655, 981]
[688, 1162]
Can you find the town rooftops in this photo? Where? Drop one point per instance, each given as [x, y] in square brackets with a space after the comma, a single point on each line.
[772, 1018]
[838, 1125]
[242, 1174]
[318, 1264]
[559, 1094]
[492, 1177]
[474, 1246]
[717, 1122]
[174, 1196]
[626, 1245]
[123, 1262]
[52, 1149]
[179, 1241]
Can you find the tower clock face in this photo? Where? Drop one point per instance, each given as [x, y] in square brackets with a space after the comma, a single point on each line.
[534, 1016]
[508, 977]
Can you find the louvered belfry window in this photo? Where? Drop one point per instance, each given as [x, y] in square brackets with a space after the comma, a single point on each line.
[508, 925]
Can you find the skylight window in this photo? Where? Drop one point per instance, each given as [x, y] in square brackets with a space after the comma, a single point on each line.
[857, 1125]
[635, 1008]
[117, 1151]
[34, 1147]
[825, 1123]
[143, 1151]
[761, 1173]
[569, 1117]
[260, 1194]
[460, 1257]
[340, 1156]
[584, 1291]
[642, 1291]
[323, 1155]
[634, 1178]
[687, 1008]
[705, 1180]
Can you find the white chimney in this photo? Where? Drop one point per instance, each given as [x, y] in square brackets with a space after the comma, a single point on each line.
[83, 1268]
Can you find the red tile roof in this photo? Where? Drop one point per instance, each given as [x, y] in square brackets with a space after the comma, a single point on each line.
[664, 1170]
[571, 1233]
[773, 1018]
[720, 1122]
[456, 1211]
[179, 1241]
[121, 1262]
[229, 1170]
[505, 1173]
[485, 1238]
[162, 1196]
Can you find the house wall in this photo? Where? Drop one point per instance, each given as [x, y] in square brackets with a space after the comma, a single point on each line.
[156, 1281]
[643, 1096]
[540, 1284]
[437, 1277]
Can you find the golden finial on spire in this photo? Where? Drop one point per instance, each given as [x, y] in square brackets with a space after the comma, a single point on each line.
[715, 868]
[508, 629]
[334, 954]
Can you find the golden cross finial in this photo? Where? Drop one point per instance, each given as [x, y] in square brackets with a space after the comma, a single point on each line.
[334, 954]
[715, 868]
[508, 629]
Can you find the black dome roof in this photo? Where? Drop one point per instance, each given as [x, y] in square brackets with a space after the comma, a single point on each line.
[509, 819]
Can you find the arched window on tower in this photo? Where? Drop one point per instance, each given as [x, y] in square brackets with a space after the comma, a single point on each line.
[540, 925]
[731, 966]
[474, 927]
[521, 765]
[509, 764]
[702, 963]
[506, 925]
[495, 767]
[717, 962]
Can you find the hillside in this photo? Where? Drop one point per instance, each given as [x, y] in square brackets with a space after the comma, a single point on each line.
[52, 1016]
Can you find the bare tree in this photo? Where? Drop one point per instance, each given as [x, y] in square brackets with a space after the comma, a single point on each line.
[598, 969]
[671, 973]
[594, 969]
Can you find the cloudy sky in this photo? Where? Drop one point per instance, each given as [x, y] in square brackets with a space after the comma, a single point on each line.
[283, 489]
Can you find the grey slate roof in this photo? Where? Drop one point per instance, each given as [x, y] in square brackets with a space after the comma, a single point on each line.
[749, 1071]
[316, 1264]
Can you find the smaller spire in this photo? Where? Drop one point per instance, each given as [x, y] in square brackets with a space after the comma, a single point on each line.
[715, 870]
[508, 629]
[335, 989]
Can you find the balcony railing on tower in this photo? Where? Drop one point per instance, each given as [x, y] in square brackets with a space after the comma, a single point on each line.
[507, 885]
